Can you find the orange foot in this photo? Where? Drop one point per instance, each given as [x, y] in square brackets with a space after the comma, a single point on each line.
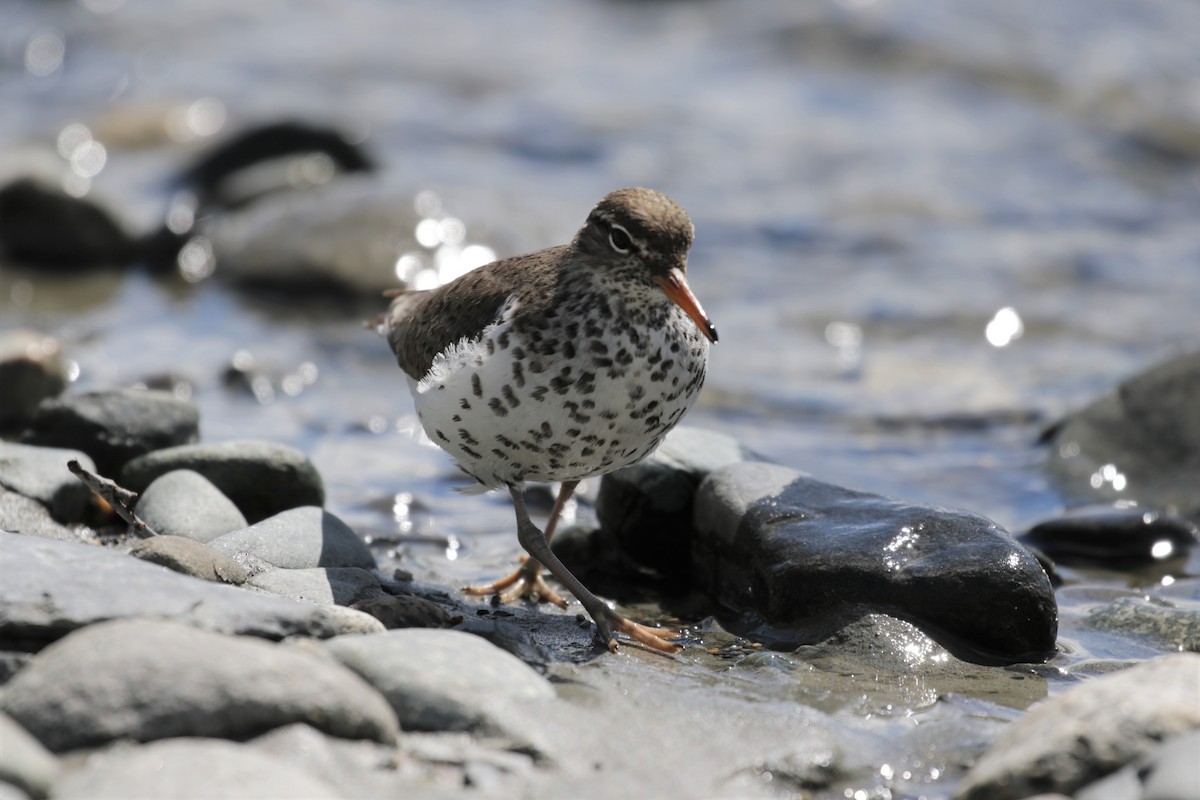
[525, 582]
[657, 639]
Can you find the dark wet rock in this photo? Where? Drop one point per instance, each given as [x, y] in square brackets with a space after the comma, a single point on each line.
[42, 225]
[20, 514]
[191, 768]
[1174, 624]
[300, 538]
[114, 426]
[1089, 731]
[441, 680]
[31, 370]
[1139, 442]
[510, 637]
[646, 509]
[341, 586]
[404, 611]
[185, 503]
[40, 473]
[190, 557]
[806, 557]
[1112, 535]
[24, 762]
[261, 478]
[52, 588]
[154, 679]
[212, 176]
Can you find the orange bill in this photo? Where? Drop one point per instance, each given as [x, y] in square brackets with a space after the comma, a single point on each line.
[674, 285]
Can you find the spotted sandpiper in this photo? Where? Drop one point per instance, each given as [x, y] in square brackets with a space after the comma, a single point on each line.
[561, 365]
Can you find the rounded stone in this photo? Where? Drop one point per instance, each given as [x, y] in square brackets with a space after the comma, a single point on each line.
[185, 503]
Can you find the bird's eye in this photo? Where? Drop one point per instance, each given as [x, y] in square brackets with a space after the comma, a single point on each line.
[620, 240]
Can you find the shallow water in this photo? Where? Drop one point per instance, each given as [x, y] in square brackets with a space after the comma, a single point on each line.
[924, 230]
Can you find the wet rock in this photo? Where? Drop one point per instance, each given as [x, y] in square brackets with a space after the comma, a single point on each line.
[1089, 731]
[300, 538]
[52, 588]
[191, 769]
[443, 680]
[1176, 625]
[42, 225]
[646, 509]
[212, 176]
[324, 586]
[154, 679]
[114, 426]
[41, 473]
[1114, 536]
[807, 557]
[404, 611]
[185, 503]
[24, 762]
[509, 637]
[19, 514]
[190, 557]
[261, 478]
[1139, 442]
[31, 370]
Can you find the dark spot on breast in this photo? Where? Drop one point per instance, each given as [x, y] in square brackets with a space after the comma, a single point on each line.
[503, 340]
[476, 386]
[440, 435]
[571, 330]
[539, 393]
[598, 347]
[464, 405]
[624, 357]
[573, 432]
[568, 349]
[490, 344]
[469, 451]
[518, 373]
[457, 418]
[500, 454]
[509, 396]
[497, 407]
[466, 436]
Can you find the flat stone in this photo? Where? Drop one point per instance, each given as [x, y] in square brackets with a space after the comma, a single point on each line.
[1175, 624]
[20, 514]
[185, 503]
[24, 762]
[1140, 442]
[31, 370]
[52, 588]
[806, 557]
[444, 680]
[1118, 537]
[154, 679]
[300, 538]
[646, 509]
[41, 473]
[261, 478]
[191, 769]
[324, 586]
[41, 224]
[114, 426]
[1089, 731]
[190, 558]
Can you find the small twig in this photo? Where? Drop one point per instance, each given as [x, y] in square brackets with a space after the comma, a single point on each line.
[119, 498]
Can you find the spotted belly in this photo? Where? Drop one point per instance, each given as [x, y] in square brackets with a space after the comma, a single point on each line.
[507, 416]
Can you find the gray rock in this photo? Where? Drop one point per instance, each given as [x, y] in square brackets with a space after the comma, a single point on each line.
[1174, 624]
[351, 622]
[808, 557]
[441, 680]
[1089, 731]
[155, 679]
[1140, 442]
[20, 514]
[24, 762]
[261, 478]
[301, 538]
[359, 769]
[646, 509]
[114, 426]
[41, 224]
[323, 586]
[1173, 770]
[31, 370]
[185, 503]
[190, 558]
[52, 588]
[191, 769]
[41, 473]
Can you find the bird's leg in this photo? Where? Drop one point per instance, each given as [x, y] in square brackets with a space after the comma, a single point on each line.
[607, 621]
[527, 580]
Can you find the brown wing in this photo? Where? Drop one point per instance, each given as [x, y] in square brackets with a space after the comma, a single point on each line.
[420, 324]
